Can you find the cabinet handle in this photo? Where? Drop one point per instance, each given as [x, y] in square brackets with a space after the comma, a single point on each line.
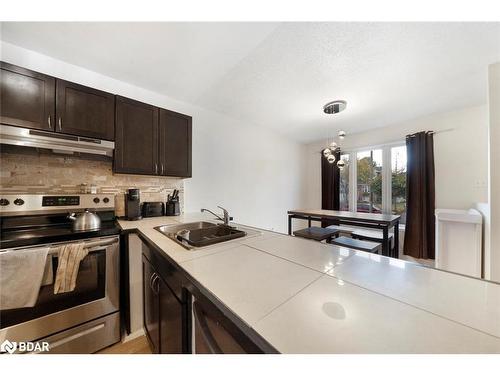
[157, 287]
[151, 280]
[155, 278]
[48, 122]
[60, 123]
[162, 169]
[156, 168]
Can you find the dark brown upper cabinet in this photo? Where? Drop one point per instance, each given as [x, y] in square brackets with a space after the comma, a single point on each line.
[148, 140]
[174, 152]
[84, 111]
[27, 98]
[136, 137]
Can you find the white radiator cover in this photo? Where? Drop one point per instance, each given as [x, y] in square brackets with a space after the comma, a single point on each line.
[459, 241]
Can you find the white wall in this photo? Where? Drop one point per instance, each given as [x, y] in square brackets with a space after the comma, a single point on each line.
[492, 264]
[253, 172]
[460, 155]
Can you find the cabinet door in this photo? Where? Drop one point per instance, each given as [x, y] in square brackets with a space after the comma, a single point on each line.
[136, 137]
[212, 336]
[151, 310]
[175, 144]
[27, 98]
[170, 320]
[84, 111]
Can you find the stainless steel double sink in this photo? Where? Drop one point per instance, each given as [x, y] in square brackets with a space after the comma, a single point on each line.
[200, 233]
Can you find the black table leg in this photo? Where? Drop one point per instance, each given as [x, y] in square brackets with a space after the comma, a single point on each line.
[289, 225]
[386, 246]
[396, 240]
[309, 221]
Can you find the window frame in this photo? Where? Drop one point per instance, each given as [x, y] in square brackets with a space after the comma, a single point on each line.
[386, 173]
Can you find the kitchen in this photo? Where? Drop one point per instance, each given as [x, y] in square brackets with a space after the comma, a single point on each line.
[136, 222]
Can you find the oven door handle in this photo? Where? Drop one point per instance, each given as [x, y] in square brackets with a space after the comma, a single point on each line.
[92, 245]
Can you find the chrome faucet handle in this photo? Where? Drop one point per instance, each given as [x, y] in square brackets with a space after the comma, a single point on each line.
[223, 210]
[227, 218]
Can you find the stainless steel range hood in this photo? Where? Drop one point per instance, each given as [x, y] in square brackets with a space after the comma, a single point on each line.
[59, 143]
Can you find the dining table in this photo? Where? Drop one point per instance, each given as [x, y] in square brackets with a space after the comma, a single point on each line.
[379, 221]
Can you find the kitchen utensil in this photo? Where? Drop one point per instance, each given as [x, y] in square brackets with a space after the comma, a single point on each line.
[85, 221]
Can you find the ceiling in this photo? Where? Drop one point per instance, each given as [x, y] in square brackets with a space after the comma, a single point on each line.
[279, 75]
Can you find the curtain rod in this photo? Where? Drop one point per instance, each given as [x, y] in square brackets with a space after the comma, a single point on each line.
[432, 132]
[443, 131]
[391, 142]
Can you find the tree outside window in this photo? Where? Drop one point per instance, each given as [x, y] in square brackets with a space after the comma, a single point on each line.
[369, 181]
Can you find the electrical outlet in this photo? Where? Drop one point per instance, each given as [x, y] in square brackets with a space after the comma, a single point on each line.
[480, 184]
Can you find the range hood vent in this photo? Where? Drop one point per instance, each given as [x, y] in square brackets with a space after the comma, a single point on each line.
[59, 143]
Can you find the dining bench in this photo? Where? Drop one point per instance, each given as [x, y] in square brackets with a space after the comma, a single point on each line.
[371, 247]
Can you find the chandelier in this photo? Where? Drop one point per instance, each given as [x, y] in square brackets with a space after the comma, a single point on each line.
[329, 152]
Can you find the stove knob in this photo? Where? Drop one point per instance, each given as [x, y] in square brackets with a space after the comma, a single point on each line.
[96, 200]
[18, 202]
[4, 202]
[106, 200]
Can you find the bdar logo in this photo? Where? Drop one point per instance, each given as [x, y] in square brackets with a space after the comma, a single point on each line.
[8, 346]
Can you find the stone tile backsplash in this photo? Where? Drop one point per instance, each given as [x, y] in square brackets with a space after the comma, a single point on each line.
[47, 173]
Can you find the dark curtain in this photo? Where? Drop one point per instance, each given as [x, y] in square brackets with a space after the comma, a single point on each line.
[420, 192]
[330, 186]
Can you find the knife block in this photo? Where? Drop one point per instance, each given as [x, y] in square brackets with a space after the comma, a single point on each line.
[172, 208]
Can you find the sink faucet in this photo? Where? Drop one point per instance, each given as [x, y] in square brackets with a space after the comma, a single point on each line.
[226, 218]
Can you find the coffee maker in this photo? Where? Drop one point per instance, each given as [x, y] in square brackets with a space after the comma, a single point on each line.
[133, 205]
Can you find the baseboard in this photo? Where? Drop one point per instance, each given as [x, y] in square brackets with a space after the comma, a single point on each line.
[134, 335]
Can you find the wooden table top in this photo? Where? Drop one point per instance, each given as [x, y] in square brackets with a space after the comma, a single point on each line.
[347, 215]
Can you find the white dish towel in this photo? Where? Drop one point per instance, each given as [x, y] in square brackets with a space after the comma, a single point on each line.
[70, 256]
[21, 273]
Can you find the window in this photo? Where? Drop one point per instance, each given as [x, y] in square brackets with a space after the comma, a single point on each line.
[398, 182]
[369, 181]
[344, 184]
[374, 180]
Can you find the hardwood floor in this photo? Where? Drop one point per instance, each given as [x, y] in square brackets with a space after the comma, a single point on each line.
[139, 345]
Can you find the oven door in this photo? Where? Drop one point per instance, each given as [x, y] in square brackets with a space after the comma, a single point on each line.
[96, 294]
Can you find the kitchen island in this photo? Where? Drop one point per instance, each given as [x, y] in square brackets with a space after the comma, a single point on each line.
[301, 296]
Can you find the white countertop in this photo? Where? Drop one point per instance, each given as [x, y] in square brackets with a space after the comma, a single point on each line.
[307, 297]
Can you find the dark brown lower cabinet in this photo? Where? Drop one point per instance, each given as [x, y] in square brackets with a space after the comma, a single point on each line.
[151, 307]
[176, 311]
[163, 313]
[170, 320]
[211, 336]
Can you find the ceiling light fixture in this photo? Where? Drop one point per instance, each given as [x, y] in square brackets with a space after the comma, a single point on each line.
[332, 108]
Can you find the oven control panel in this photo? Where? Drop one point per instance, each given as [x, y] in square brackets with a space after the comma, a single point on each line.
[24, 203]
[60, 200]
